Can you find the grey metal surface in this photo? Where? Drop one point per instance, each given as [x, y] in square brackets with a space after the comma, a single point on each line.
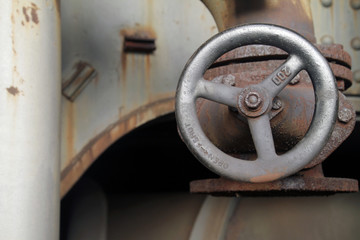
[213, 218]
[30, 73]
[297, 218]
[339, 22]
[257, 218]
[153, 216]
[129, 88]
[269, 166]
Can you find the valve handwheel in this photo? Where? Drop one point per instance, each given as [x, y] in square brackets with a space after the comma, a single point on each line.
[254, 102]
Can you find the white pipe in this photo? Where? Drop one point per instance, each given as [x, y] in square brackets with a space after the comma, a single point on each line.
[30, 78]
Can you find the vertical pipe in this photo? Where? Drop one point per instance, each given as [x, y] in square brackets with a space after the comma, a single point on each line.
[294, 14]
[87, 215]
[30, 77]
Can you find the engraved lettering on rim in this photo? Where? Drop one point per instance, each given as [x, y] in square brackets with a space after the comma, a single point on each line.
[195, 139]
[281, 75]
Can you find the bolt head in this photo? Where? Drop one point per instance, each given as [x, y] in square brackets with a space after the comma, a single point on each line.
[326, 3]
[295, 80]
[356, 76]
[355, 4]
[253, 100]
[345, 115]
[355, 43]
[277, 104]
[327, 40]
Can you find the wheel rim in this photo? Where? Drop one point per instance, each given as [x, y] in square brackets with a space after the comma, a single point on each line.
[268, 167]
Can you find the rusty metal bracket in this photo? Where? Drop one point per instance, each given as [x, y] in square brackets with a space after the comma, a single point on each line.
[310, 181]
[296, 185]
[139, 44]
[76, 83]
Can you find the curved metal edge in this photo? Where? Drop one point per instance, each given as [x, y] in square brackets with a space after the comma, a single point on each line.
[96, 146]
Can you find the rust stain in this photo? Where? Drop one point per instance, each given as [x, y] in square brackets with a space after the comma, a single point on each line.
[57, 4]
[33, 16]
[78, 165]
[123, 58]
[70, 131]
[304, 183]
[13, 90]
[13, 47]
[101, 144]
[146, 32]
[147, 66]
[138, 32]
[77, 171]
[12, 19]
[123, 65]
[147, 72]
[27, 18]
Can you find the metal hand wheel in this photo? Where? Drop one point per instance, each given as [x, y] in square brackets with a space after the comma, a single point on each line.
[254, 102]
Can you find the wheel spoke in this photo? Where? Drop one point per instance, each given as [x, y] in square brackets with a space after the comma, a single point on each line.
[262, 136]
[277, 80]
[217, 92]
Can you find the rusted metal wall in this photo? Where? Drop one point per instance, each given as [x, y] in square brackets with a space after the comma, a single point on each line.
[107, 92]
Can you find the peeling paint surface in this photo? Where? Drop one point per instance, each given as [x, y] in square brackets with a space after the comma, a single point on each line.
[13, 90]
[131, 88]
[31, 13]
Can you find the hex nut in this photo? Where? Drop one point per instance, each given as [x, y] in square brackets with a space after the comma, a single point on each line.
[356, 76]
[253, 100]
[355, 4]
[355, 43]
[345, 115]
[295, 80]
[277, 103]
[326, 3]
[327, 40]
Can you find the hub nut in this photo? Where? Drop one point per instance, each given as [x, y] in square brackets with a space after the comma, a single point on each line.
[253, 100]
